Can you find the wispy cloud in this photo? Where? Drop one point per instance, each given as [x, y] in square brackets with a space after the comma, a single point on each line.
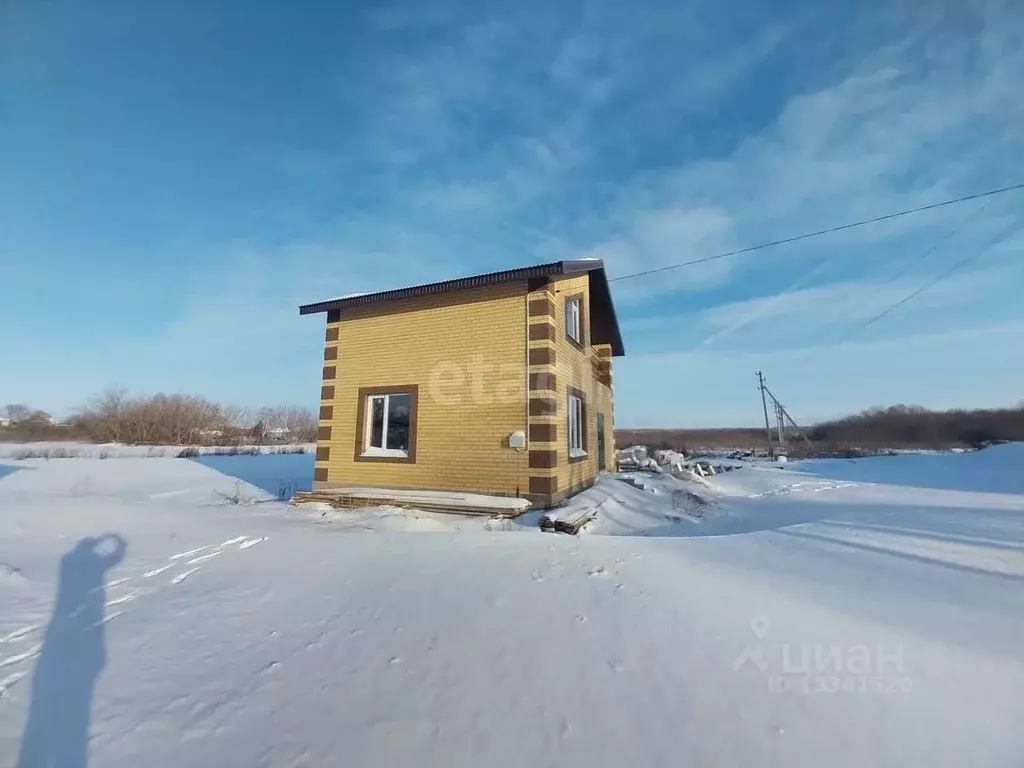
[915, 121]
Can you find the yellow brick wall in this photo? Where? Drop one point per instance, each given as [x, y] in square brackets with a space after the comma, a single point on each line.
[462, 427]
[603, 402]
[574, 368]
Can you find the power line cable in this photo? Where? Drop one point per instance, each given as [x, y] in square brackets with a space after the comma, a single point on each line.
[815, 351]
[938, 243]
[820, 232]
[966, 261]
[946, 238]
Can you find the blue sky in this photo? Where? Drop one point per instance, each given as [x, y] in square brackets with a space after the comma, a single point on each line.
[178, 177]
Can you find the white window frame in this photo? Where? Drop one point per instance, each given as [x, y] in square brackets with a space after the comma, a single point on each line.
[572, 320]
[574, 425]
[380, 450]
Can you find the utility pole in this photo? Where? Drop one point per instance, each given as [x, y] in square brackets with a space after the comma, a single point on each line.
[784, 422]
[764, 406]
[779, 420]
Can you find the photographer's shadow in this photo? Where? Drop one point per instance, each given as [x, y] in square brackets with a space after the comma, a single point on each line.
[73, 654]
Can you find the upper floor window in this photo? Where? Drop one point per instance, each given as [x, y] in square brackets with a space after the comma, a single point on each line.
[573, 310]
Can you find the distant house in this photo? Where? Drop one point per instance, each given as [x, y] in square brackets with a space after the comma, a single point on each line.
[497, 384]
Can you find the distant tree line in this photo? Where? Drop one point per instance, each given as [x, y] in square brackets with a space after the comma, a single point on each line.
[912, 425]
[897, 426]
[23, 423]
[115, 416]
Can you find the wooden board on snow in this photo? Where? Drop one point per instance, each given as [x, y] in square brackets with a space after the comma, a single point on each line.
[428, 501]
[567, 521]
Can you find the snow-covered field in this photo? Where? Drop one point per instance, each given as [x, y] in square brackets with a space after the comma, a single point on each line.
[802, 617]
[63, 449]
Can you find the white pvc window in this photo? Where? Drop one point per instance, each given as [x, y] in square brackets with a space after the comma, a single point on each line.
[575, 427]
[387, 425]
[572, 319]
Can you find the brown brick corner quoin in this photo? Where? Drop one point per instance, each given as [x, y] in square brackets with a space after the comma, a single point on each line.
[542, 432]
[541, 381]
[542, 356]
[543, 406]
[543, 486]
[394, 389]
[541, 307]
[542, 332]
[543, 459]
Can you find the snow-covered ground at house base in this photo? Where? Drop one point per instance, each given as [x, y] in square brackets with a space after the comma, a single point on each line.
[269, 635]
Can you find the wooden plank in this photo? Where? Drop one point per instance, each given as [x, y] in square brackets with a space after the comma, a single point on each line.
[572, 525]
[351, 501]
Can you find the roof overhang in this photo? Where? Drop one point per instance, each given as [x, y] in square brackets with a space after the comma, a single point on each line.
[604, 325]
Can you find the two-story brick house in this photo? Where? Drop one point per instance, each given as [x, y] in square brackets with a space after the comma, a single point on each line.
[497, 384]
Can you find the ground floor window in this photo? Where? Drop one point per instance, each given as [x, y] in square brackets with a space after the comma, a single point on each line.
[387, 423]
[576, 427]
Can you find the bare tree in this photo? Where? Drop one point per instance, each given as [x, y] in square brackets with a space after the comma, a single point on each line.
[105, 415]
[174, 419]
[178, 419]
[17, 412]
[288, 422]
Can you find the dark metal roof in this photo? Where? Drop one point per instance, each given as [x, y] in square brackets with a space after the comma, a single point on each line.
[604, 326]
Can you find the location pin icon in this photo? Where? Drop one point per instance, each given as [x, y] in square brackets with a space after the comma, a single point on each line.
[759, 626]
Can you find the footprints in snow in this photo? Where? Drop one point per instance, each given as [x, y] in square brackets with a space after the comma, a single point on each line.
[19, 633]
[111, 584]
[595, 572]
[29, 654]
[187, 553]
[122, 599]
[108, 617]
[10, 680]
[243, 542]
[195, 560]
[204, 558]
[184, 575]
